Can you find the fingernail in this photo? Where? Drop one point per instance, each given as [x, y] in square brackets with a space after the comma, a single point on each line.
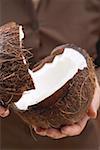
[39, 129]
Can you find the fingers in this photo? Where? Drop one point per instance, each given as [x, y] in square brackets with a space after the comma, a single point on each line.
[75, 129]
[65, 131]
[92, 111]
[51, 132]
[3, 112]
[55, 133]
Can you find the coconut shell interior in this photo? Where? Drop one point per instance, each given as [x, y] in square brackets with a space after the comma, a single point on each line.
[14, 76]
[67, 105]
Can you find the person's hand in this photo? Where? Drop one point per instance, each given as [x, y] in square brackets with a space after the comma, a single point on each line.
[3, 112]
[77, 128]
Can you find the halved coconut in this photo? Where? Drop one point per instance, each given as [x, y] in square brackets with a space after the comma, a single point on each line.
[64, 88]
[14, 77]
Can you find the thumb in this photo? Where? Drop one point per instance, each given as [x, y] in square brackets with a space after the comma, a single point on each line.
[92, 113]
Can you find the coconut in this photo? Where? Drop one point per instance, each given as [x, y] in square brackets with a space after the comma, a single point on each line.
[14, 77]
[64, 85]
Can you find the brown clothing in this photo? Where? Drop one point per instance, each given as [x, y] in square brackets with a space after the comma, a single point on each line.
[53, 23]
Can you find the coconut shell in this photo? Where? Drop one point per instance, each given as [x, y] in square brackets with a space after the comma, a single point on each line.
[14, 77]
[67, 105]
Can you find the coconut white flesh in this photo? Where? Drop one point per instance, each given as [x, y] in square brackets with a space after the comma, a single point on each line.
[21, 34]
[51, 77]
[21, 37]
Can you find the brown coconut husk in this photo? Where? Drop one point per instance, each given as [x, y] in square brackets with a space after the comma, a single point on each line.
[14, 77]
[66, 106]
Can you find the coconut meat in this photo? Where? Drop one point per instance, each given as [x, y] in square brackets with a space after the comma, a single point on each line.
[21, 37]
[21, 33]
[51, 77]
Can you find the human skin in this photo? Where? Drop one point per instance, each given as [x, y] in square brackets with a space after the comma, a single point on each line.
[72, 130]
[3, 112]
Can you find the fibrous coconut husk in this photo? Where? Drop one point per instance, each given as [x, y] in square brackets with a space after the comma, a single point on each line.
[67, 105]
[14, 77]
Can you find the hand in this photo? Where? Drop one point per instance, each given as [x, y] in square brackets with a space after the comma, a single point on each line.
[3, 112]
[77, 128]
